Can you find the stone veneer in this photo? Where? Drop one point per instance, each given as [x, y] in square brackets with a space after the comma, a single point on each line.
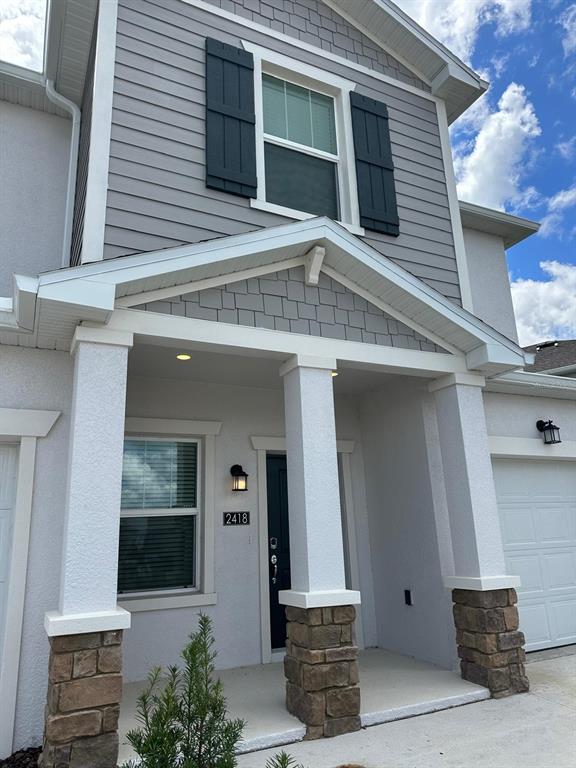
[322, 670]
[84, 692]
[489, 644]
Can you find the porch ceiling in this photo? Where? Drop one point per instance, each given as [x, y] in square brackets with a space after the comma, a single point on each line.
[160, 362]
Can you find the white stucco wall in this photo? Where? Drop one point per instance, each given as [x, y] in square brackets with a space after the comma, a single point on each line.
[34, 149]
[39, 379]
[516, 415]
[407, 530]
[491, 297]
[244, 412]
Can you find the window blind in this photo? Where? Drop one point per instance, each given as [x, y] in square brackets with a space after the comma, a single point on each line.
[159, 475]
[157, 552]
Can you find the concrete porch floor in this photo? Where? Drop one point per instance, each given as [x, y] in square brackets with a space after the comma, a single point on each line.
[393, 687]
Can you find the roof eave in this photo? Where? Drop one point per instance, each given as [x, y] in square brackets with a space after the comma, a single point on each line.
[512, 229]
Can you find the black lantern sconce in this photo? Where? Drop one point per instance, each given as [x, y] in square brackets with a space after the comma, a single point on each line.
[239, 478]
[550, 432]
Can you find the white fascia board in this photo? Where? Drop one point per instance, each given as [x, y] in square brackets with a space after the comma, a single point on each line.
[81, 293]
[512, 229]
[564, 370]
[533, 384]
[25, 294]
[494, 358]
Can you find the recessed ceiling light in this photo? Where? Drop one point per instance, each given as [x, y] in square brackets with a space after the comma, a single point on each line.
[183, 356]
[334, 373]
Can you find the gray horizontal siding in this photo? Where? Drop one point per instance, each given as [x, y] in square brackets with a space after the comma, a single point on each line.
[157, 195]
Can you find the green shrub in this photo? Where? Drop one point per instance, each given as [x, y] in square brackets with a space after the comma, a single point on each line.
[183, 718]
[283, 760]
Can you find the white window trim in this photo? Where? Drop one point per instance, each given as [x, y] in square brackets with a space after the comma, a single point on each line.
[205, 433]
[22, 427]
[285, 68]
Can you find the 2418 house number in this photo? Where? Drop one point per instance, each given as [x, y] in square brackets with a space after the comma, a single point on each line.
[236, 518]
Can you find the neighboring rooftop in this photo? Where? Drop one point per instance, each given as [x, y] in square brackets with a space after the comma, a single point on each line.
[553, 356]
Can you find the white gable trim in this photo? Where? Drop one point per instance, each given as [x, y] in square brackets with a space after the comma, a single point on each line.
[135, 301]
[402, 291]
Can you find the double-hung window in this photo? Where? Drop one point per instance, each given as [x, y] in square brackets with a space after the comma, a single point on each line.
[304, 145]
[159, 522]
[300, 148]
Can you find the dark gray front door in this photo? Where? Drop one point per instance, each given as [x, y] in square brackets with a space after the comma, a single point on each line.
[278, 544]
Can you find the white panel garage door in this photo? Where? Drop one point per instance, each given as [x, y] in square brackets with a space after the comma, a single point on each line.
[8, 470]
[537, 502]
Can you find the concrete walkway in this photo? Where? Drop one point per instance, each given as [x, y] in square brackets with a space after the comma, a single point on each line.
[531, 730]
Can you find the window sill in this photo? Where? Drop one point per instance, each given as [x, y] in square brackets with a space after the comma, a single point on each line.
[291, 213]
[167, 600]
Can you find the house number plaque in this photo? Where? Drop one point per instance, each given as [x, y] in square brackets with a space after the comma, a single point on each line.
[236, 518]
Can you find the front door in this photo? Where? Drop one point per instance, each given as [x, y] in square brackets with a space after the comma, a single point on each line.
[278, 544]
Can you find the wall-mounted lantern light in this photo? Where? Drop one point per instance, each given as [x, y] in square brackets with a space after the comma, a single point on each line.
[550, 432]
[239, 478]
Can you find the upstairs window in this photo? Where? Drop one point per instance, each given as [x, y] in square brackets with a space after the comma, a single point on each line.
[159, 516]
[300, 148]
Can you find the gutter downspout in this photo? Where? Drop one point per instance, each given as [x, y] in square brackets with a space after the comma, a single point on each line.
[68, 106]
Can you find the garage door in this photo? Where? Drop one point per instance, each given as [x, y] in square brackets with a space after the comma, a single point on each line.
[8, 469]
[537, 502]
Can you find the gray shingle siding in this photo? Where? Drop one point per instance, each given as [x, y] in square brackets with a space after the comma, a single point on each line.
[315, 23]
[157, 194]
[330, 310]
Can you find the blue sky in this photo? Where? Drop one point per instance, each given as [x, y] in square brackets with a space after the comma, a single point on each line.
[515, 149]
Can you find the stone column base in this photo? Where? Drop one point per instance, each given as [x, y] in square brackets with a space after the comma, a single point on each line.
[322, 670]
[84, 693]
[489, 644]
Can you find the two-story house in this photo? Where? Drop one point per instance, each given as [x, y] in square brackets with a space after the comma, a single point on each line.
[257, 360]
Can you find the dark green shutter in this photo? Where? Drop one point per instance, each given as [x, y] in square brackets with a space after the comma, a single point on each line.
[230, 119]
[374, 166]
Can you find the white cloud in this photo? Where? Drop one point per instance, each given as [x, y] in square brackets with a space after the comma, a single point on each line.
[566, 198]
[568, 21]
[567, 149]
[22, 32]
[489, 170]
[546, 309]
[456, 23]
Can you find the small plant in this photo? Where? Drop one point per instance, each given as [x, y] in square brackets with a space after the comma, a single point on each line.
[283, 760]
[183, 718]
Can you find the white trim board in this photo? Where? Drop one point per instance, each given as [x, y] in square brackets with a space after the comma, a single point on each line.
[531, 448]
[454, 205]
[25, 426]
[19, 422]
[101, 130]
[157, 328]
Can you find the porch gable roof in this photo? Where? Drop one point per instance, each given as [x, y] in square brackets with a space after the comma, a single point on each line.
[92, 291]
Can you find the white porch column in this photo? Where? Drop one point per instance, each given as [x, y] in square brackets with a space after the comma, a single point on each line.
[316, 544]
[471, 496]
[88, 590]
